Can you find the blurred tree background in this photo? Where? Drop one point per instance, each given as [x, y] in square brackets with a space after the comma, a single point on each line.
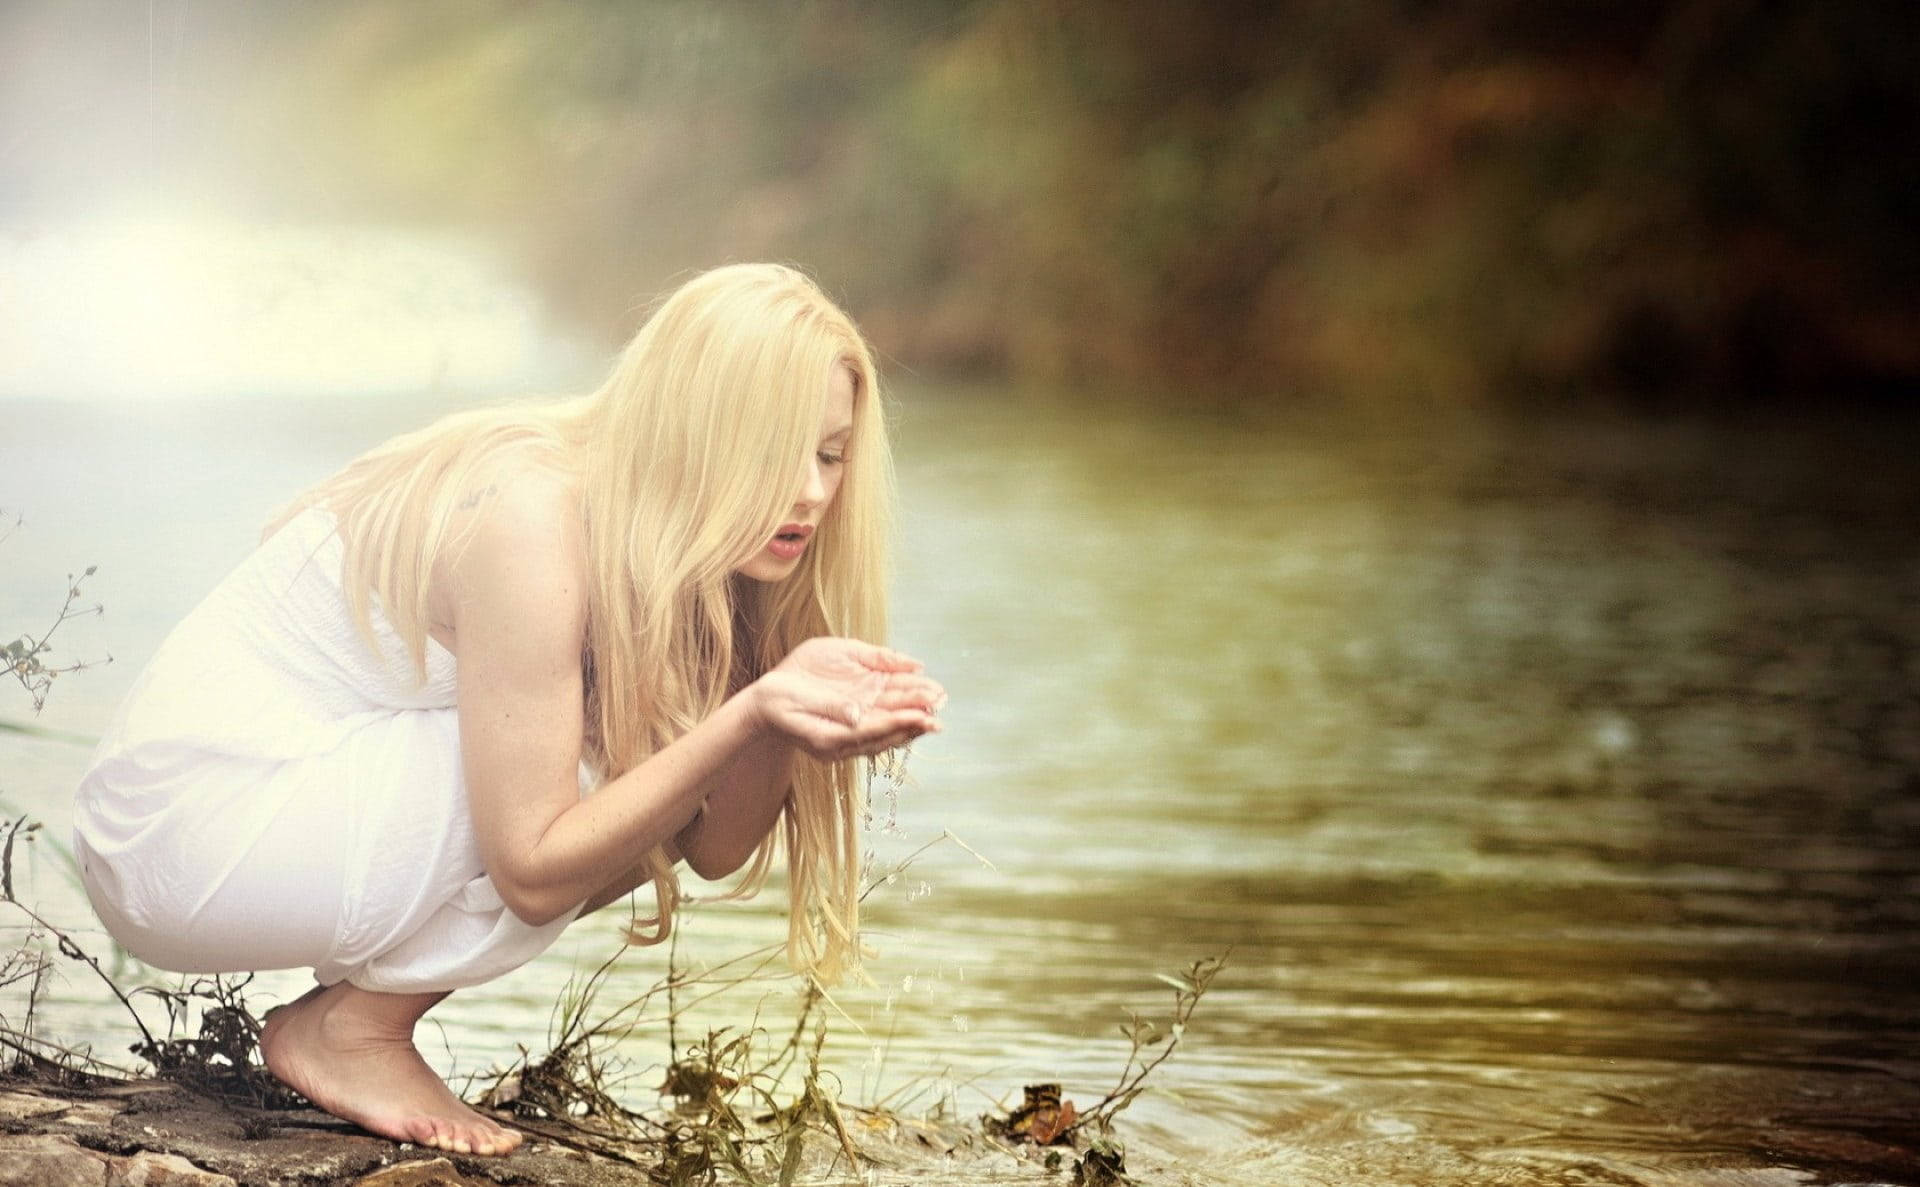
[1379, 203]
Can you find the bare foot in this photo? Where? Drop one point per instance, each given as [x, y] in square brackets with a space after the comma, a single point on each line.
[350, 1051]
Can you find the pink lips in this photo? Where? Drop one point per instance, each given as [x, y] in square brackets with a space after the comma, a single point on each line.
[790, 541]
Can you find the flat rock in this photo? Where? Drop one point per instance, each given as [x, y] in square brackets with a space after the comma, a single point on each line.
[28, 1106]
[49, 1160]
[148, 1169]
[154, 1134]
[436, 1172]
[81, 1115]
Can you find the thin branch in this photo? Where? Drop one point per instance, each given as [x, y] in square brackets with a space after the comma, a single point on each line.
[22, 655]
[899, 868]
[68, 948]
[1142, 1034]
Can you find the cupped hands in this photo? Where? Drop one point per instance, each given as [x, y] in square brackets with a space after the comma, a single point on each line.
[842, 698]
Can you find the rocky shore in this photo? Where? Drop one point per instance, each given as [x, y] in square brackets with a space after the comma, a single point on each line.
[149, 1133]
[90, 1132]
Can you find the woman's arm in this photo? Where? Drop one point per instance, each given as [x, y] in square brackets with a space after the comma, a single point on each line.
[738, 808]
[741, 806]
[830, 698]
[879, 697]
[518, 606]
[517, 601]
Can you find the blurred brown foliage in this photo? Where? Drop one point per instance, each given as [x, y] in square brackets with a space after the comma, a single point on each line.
[1377, 202]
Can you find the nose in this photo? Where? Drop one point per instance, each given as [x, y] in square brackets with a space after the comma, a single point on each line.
[814, 492]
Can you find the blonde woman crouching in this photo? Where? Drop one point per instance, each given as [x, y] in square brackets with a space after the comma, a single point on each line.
[501, 672]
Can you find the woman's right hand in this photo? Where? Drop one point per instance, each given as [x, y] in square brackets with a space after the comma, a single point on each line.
[842, 698]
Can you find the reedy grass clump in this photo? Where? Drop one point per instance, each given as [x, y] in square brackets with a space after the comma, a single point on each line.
[732, 1108]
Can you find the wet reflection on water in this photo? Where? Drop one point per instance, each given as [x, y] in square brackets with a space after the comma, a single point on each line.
[1553, 785]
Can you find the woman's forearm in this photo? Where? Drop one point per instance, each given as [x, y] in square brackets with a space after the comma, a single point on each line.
[747, 795]
[836, 699]
[743, 801]
[594, 841]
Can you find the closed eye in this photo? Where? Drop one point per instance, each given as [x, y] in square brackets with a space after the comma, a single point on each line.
[831, 459]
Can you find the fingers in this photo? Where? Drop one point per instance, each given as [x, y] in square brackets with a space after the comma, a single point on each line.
[878, 731]
[838, 649]
[839, 730]
[883, 730]
[878, 723]
[881, 702]
[911, 692]
[842, 706]
[850, 706]
[885, 659]
[896, 740]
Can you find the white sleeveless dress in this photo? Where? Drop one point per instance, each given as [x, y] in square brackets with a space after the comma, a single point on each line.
[274, 794]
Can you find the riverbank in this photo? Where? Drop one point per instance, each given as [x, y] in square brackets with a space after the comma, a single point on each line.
[59, 1128]
[98, 1131]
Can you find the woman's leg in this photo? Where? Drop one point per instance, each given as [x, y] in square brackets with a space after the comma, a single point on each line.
[350, 1051]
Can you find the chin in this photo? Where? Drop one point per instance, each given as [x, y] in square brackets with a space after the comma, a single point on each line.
[768, 569]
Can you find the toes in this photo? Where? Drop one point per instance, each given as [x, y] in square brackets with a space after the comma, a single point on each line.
[493, 1139]
[427, 1131]
[474, 1134]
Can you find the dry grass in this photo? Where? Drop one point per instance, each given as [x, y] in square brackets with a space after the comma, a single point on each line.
[751, 1105]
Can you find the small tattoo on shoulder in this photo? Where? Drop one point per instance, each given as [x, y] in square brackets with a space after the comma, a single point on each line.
[473, 498]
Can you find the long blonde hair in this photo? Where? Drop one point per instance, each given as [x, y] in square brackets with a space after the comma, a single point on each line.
[688, 459]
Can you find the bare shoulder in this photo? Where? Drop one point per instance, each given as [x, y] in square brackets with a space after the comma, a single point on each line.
[509, 503]
[519, 554]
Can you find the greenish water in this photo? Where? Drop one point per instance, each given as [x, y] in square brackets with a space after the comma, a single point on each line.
[1553, 785]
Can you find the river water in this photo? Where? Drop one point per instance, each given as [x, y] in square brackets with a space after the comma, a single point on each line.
[1554, 786]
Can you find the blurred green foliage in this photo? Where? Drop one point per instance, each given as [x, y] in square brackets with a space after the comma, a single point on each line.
[1388, 202]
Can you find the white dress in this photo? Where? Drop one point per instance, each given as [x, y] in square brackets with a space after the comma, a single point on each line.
[274, 794]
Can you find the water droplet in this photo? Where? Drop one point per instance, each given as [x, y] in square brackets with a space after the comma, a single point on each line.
[906, 983]
[960, 1023]
[1391, 1127]
[1613, 734]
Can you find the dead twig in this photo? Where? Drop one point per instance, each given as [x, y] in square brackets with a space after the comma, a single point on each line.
[22, 656]
[1143, 1035]
[64, 942]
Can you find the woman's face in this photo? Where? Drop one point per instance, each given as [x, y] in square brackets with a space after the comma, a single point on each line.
[780, 556]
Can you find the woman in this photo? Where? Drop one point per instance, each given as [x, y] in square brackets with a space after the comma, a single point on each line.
[506, 670]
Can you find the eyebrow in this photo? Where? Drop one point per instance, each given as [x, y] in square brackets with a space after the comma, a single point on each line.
[842, 431]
